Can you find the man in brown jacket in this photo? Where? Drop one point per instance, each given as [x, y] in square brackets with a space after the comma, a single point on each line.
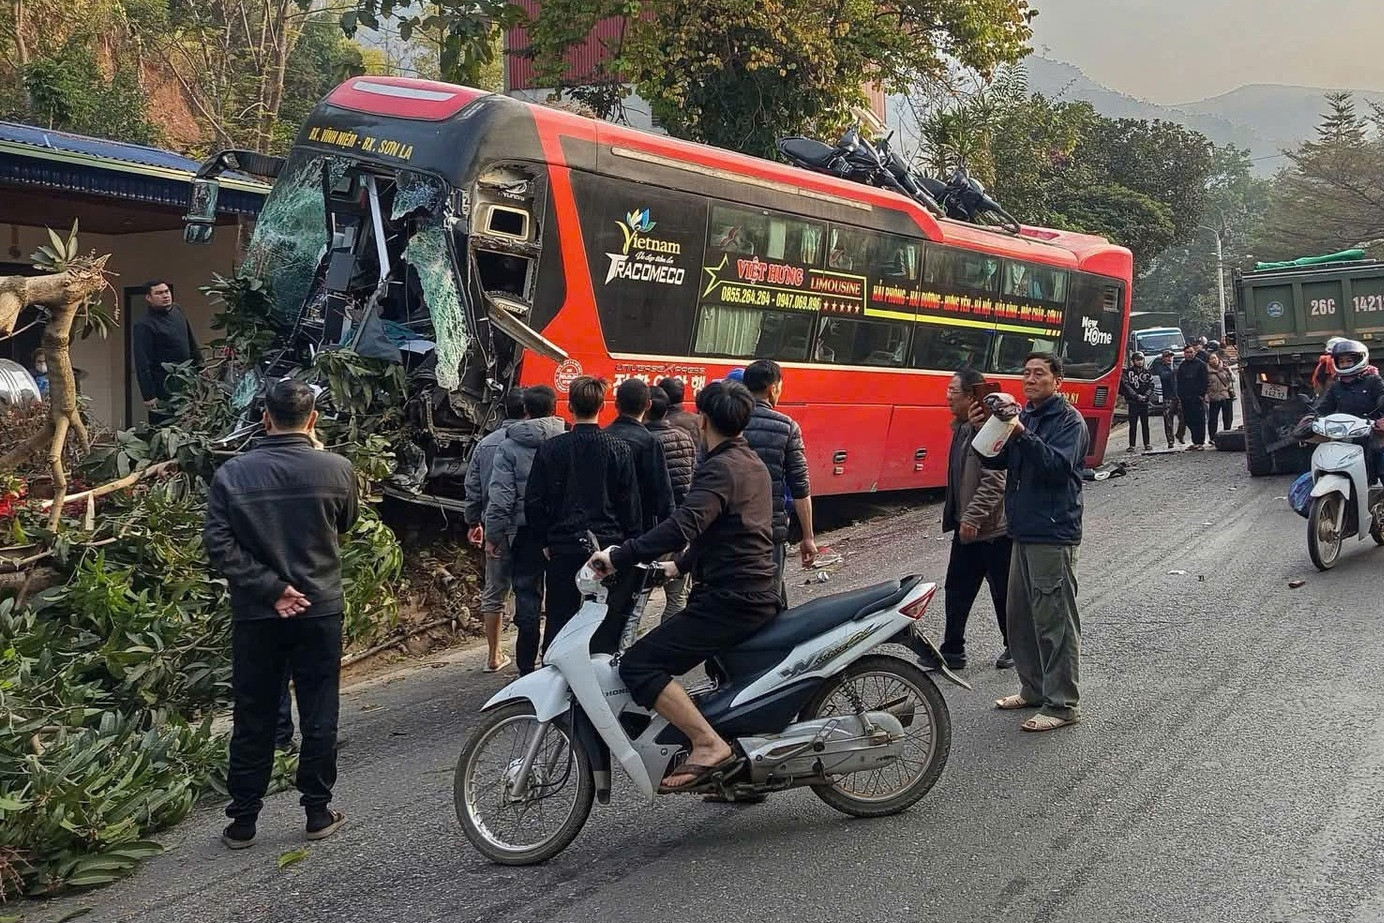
[974, 513]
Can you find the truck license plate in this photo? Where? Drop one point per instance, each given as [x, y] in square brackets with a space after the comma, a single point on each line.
[1277, 392]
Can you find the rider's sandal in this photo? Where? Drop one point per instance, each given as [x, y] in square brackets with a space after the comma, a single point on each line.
[1014, 702]
[1046, 723]
[697, 774]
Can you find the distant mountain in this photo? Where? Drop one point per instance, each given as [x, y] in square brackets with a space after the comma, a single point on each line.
[1264, 119]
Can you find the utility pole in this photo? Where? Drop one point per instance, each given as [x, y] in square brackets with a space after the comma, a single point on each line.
[1220, 275]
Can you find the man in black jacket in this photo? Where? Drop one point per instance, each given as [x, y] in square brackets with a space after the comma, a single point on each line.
[273, 519]
[726, 525]
[1044, 459]
[1193, 383]
[632, 399]
[778, 441]
[680, 453]
[1137, 387]
[677, 415]
[581, 480]
[162, 335]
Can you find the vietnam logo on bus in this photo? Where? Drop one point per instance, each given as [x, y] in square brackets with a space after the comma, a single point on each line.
[568, 371]
[645, 258]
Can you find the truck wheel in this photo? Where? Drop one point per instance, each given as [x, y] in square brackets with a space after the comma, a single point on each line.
[1258, 461]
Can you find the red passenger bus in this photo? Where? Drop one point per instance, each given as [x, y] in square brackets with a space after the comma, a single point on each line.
[517, 243]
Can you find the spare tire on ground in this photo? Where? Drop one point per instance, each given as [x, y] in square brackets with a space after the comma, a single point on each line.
[1231, 440]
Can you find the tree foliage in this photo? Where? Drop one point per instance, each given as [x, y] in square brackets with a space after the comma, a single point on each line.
[741, 73]
[1332, 196]
[1059, 164]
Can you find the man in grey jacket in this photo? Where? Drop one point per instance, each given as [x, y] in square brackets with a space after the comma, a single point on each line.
[506, 531]
[974, 514]
[498, 567]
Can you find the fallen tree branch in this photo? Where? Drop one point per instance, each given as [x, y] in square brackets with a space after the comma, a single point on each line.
[395, 642]
[129, 480]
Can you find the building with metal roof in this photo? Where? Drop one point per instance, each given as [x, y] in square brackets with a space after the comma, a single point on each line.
[128, 200]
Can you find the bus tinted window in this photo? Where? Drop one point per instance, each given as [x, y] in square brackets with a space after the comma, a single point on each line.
[1091, 332]
[959, 269]
[751, 333]
[644, 248]
[846, 341]
[1035, 283]
[742, 232]
[1011, 349]
[897, 259]
[946, 349]
[850, 250]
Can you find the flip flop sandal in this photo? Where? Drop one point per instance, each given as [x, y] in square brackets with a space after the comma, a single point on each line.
[1040, 723]
[337, 820]
[696, 773]
[1014, 702]
[504, 662]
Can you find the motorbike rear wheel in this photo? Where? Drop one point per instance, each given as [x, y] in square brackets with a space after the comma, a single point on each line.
[883, 683]
[1323, 541]
[532, 829]
[1377, 523]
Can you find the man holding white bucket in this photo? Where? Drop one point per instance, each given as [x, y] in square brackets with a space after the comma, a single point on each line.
[1043, 452]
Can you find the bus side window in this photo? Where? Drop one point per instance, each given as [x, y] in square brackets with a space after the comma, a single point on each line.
[748, 333]
[847, 341]
[896, 259]
[1035, 283]
[849, 251]
[959, 269]
[946, 349]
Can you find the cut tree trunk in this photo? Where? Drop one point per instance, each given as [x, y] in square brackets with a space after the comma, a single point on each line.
[63, 294]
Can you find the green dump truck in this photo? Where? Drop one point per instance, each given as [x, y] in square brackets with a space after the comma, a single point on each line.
[1284, 314]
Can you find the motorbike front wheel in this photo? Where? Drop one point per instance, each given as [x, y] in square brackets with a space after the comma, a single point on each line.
[1323, 539]
[527, 829]
[883, 683]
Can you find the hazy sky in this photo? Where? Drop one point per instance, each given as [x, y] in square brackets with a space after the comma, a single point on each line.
[1171, 51]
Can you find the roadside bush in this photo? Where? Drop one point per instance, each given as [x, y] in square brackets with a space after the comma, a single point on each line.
[109, 679]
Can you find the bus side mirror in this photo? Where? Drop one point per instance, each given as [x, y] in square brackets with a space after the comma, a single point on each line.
[200, 220]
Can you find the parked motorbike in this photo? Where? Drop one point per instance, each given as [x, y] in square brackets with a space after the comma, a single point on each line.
[856, 159]
[1344, 502]
[809, 700]
[965, 199]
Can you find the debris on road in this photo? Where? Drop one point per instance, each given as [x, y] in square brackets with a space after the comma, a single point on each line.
[1296, 584]
[1177, 573]
[292, 857]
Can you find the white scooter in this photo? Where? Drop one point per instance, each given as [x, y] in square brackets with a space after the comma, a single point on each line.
[806, 701]
[1343, 501]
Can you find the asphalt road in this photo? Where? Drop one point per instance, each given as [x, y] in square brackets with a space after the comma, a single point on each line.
[1229, 767]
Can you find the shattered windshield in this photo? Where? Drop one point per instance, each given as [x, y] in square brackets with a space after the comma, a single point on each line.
[291, 233]
[427, 251]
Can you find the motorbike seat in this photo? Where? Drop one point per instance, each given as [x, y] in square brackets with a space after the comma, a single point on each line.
[807, 150]
[796, 625]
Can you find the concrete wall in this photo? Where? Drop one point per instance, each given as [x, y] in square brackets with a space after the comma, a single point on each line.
[136, 258]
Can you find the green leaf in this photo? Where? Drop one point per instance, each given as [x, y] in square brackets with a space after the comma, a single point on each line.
[73, 914]
[12, 918]
[12, 804]
[58, 244]
[292, 857]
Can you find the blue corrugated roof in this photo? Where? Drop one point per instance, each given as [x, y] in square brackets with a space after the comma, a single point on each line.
[95, 147]
[35, 156]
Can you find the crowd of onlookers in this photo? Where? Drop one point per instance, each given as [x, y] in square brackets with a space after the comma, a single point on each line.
[1196, 394]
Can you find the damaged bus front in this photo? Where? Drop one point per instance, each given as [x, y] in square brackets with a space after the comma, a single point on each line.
[406, 224]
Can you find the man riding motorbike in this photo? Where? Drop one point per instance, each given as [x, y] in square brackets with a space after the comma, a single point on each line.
[726, 524]
[1357, 390]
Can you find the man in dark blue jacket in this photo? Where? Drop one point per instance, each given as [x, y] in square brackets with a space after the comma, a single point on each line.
[1044, 460]
[273, 518]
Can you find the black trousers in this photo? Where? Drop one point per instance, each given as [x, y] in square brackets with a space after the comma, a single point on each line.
[1220, 410]
[1138, 413]
[714, 621]
[564, 599]
[1194, 412]
[263, 652]
[971, 565]
[528, 573]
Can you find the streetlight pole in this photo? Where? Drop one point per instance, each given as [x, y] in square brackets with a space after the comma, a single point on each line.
[1220, 275]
